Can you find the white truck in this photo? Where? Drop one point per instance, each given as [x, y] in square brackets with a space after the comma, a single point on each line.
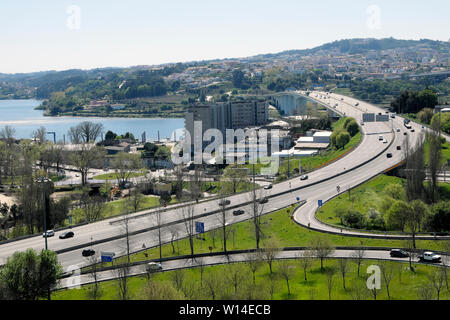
[429, 256]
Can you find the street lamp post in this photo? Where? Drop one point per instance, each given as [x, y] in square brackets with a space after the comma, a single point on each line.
[42, 181]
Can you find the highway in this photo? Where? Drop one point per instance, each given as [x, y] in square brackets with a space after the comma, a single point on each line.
[177, 264]
[366, 161]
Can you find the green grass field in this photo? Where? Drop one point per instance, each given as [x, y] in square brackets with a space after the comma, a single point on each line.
[404, 285]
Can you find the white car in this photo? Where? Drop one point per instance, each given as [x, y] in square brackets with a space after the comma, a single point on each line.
[48, 234]
[153, 266]
[385, 141]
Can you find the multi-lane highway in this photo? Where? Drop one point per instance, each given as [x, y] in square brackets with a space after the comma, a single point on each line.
[367, 160]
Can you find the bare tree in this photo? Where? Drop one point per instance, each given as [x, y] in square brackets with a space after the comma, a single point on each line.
[322, 248]
[254, 261]
[287, 272]
[435, 159]
[257, 210]
[270, 251]
[86, 157]
[222, 218]
[425, 291]
[196, 185]
[125, 165]
[178, 172]
[343, 268]
[415, 217]
[272, 285]
[86, 132]
[201, 265]
[159, 226]
[136, 197]
[436, 278]
[358, 256]
[412, 252]
[173, 229]
[213, 282]
[387, 272]
[329, 277]
[95, 292]
[189, 224]
[8, 135]
[92, 207]
[305, 261]
[178, 277]
[236, 276]
[358, 290]
[122, 273]
[39, 135]
[233, 177]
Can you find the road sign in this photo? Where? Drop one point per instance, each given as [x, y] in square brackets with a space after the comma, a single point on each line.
[108, 256]
[200, 227]
[298, 198]
[320, 203]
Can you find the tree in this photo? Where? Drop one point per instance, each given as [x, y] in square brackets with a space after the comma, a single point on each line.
[39, 135]
[29, 276]
[437, 279]
[434, 159]
[352, 128]
[257, 210]
[342, 139]
[125, 164]
[330, 272]
[92, 207]
[95, 292]
[178, 277]
[160, 290]
[235, 275]
[136, 197]
[415, 217]
[85, 132]
[343, 268]
[270, 251]
[213, 282]
[387, 273]
[222, 218]
[395, 191]
[414, 170]
[86, 157]
[358, 256]
[409, 247]
[425, 115]
[305, 261]
[287, 272]
[425, 291]
[189, 224]
[397, 215]
[254, 262]
[322, 248]
[232, 178]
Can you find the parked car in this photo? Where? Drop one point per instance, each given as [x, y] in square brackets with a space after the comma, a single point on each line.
[305, 177]
[263, 200]
[224, 203]
[405, 133]
[389, 155]
[153, 266]
[398, 253]
[385, 141]
[398, 130]
[87, 253]
[238, 212]
[67, 235]
[399, 148]
[268, 187]
[48, 234]
[430, 257]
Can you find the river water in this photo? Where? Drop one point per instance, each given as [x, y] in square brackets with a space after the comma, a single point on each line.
[20, 115]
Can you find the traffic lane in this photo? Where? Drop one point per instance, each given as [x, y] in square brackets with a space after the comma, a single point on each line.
[233, 258]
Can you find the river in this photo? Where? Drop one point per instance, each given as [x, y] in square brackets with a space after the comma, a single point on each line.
[22, 116]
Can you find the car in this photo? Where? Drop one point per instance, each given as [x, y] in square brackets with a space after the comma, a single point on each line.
[393, 116]
[48, 234]
[67, 235]
[238, 212]
[412, 130]
[153, 266]
[389, 155]
[88, 253]
[398, 253]
[380, 138]
[398, 130]
[304, 177]
[268, 187]
[357, 104]
[430, 257]
[362, 123]
[405, 133]
[224, 203]
[399, 148]
[263, 200]
[342, 99]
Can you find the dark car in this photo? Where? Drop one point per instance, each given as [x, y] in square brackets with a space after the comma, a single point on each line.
[399, 148]
[238, 212]
[88, 253]
[389, 155]
[67, 235]
[263, 200]
[224, 203]
[412, 130]
[398, 253]
[405, 133]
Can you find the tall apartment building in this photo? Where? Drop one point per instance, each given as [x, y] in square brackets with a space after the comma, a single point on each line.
[228, 115]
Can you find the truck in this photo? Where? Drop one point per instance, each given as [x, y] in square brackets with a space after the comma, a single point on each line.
[429, 256]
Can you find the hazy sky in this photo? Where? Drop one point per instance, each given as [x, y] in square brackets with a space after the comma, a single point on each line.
[59, 34]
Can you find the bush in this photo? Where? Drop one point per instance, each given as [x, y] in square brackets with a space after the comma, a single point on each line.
[352, 128]
[354, 219]
[439, 219]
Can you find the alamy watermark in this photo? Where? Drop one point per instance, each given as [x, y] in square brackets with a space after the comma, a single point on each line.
[239, 146]
[73, 21]
[373, 21]
[374, 280]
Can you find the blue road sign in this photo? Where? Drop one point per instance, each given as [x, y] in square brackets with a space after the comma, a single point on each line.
[320, 203]
[200, 227]
[108, 256]
[298, 198]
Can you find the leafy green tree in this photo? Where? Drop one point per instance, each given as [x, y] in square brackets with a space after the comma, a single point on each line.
[29, 276]
[352, 128]
[397, 215]
[342, 139]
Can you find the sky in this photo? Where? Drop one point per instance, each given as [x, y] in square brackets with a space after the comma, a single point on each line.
[85, 34]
